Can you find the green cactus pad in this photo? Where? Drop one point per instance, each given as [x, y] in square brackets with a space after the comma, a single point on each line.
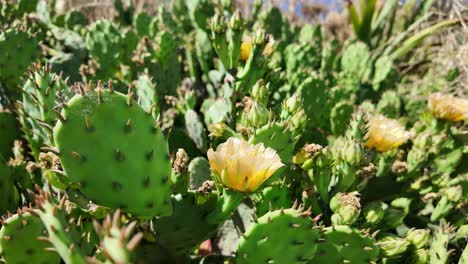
[278, 137]
[8, 192]
[344, 244]
[8, 133]
[199, 172]
[273, 198]
[41, 94]
[187, 226]
[282, 236]
[19, 50]
[109, 146]
[19, 243]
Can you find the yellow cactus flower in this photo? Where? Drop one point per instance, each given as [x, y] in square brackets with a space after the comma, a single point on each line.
[243, 166]
[385, 134]
[448, 107]
[246, 47]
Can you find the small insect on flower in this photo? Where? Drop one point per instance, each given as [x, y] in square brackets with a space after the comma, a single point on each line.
[448, 107]
[242, 166]
[385, 134]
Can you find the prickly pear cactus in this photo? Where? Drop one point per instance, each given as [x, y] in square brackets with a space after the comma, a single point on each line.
[187, 226]
[8, 133]
[8, 192]
[277, 232]
[19, 49]
[344, 244]
[109, 130]
[19, 241]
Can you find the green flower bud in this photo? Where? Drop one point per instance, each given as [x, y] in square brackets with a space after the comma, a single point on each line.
[260, 91]
[418, 237]
[454, 194]
[420, 256]
[352, 152]
[392, 245]
[298, 120]
[336, 219]
[260, 38]
[347, 206]
[218, 24]
[393, 217]
[422, 140]
[292, 104]
[258, 115]
[236, 23]
[374, 212]
[335, 202]
[402, 203]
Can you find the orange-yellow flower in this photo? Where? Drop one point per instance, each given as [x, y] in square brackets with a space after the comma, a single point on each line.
[448, 107]
[385, 134]
[242, 166]
[246, 47]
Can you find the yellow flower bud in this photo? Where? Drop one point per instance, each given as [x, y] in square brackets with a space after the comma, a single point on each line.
[243, 166]
[246, 48]
[448, 107]
[385, 134]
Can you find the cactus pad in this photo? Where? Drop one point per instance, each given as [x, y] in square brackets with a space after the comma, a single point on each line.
[109, 131]
[19, 49]
[19, 243]
[8, 132]
[344, 244]
[282, 236]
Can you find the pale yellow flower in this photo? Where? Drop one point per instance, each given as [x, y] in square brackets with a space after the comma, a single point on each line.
[448, 107]
[385, 134]
[246, 47]
[243, 166]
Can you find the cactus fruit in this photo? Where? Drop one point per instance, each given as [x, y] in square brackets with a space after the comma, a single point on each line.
[20, 243]
[277, 232]
[344, 244]
[136, 148]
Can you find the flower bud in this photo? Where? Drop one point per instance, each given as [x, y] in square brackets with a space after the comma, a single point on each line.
[216, 129]
[236, 23]
[260, 91]
[352, 152]
[420, 256]
[258, 115]
[392, 245]
[374, 212]
[422, 140]
[218, 24]
[454, 194]
[260, 38]
[347, 206]
[393, 217]
[418, 237]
